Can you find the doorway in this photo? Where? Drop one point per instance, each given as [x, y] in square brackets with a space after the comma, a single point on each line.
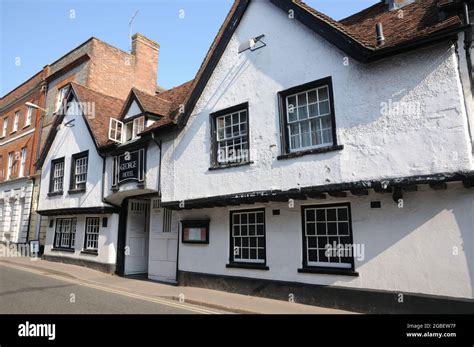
[137, 237]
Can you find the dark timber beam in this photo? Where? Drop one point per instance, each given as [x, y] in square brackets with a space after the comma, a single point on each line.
[359, 192]
[379, 189]
[438, 186]
[338, 194]
[469, 183]
[410, 188]
[320, 196]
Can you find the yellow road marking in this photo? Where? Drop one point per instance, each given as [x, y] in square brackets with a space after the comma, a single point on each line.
[115, 291]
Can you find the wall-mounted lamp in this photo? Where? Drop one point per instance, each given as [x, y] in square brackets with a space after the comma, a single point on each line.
[252, 44]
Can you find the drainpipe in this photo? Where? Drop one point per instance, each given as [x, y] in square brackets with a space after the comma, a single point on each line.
[158, 188]
[468, 40]
[38, 152]
[31, 210]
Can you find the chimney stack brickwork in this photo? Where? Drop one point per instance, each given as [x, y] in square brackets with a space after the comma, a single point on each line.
[114, 72]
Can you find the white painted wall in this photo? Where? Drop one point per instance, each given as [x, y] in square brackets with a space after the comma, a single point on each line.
[16, 195]
[68, 141]
[410, 249]
[375, 146]
[107, 247]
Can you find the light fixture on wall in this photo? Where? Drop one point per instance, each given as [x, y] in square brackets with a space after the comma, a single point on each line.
[252, 44]
[69, 124]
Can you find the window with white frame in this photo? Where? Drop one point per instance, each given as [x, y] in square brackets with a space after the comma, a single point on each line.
[65, 233]
[248, 236]
[79, 170]
[138, 126]
[57, 176]
[5, 127]
[11, 159]
[327, 236]
[91, 241]
[23, 162]
[123, 132]
[116, 129]
[231, 135]
[29, 115]
[60, 98]
[308, 116]
[16, 120]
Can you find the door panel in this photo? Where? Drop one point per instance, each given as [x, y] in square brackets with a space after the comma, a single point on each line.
[136, 256]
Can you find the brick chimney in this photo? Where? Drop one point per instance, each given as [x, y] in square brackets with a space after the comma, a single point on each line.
[397, 4]
[114, 72]
[146, 53]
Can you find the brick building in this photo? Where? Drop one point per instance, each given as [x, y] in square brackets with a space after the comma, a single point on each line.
[94, 64]
[18, 150]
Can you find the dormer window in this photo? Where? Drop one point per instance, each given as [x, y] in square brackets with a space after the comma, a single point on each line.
[138, 126]
[124, 132]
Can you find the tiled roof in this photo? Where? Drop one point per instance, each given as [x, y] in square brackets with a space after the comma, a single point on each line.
[98, 109]
[153, 104]
[414, 21]
[171, 100]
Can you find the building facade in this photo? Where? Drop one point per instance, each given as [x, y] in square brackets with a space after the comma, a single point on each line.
[19, 131]
[327, 161]
[101, 68]
[306, 162]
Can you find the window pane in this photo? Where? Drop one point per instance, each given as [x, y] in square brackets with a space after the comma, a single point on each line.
[312, 96]
[302, 112]
[292, 113]
[338, 233]
[310, 229]
[305, 134]
[252, 247]
[321, 228]
[235, 118]
[327, 136]
[342, 214]
[323, 94]
[302, 99]
[324, 108]
[313, 110]
[291, 101]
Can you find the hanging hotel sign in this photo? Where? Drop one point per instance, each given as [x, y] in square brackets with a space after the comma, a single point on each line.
[130, 166]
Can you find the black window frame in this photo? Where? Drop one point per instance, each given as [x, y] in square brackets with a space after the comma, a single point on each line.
[51, 176]
[91, 250]
[215, 164]
[240, 264]
[56, 224]
[72, 175]
[284, 133]
[323, 269]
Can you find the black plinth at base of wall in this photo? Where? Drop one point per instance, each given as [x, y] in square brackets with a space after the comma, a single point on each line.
[350, 299]
[107, 268]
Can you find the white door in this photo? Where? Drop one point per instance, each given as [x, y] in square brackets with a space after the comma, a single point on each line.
[136, 247]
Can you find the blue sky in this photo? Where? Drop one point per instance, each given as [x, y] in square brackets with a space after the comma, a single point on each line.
[35, 33]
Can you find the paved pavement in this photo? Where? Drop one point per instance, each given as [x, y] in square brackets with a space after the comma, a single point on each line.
[39, 286]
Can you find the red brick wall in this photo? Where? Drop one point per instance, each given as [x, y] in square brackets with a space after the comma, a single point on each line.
[114, 72]
[14, 101]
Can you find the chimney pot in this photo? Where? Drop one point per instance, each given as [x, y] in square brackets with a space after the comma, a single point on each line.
[397, 4]
[380, 36]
